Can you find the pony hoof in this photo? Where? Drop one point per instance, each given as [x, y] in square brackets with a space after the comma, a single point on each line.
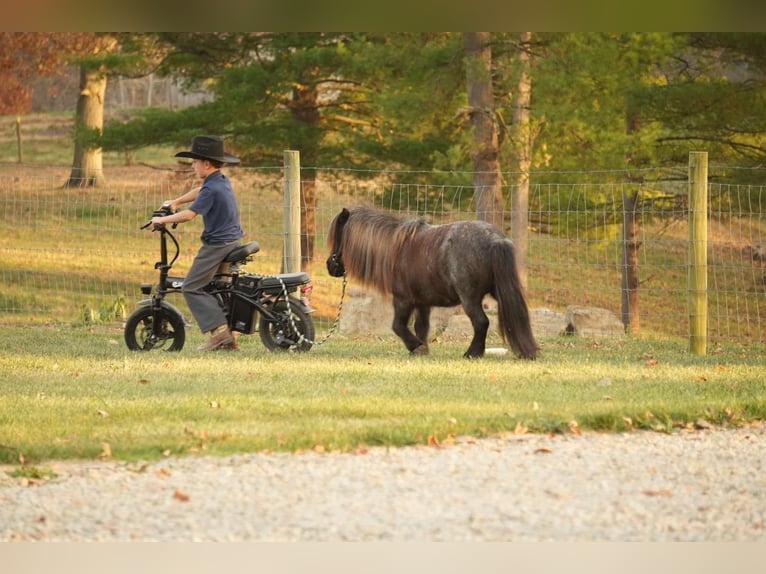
[422, 350]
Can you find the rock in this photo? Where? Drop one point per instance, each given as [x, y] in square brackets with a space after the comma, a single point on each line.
[593, 322]
[366, 312]
[547, 323]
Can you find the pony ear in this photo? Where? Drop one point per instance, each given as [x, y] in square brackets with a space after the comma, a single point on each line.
[343, 215]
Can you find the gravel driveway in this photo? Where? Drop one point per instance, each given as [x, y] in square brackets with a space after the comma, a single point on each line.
[707, 485]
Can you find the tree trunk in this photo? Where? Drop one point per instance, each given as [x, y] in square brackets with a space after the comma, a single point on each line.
[523, 141]
[308, 223]
[485, 150]
[304, 108]
[87, 167]
[631, 245]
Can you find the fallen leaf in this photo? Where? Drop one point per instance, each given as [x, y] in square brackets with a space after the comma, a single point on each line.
[433, 441]
[102, 412]
[106, 450]
[652, 363]
[629, 422]
[574, 427]
[543, 450]
[143, 382]
[657, 493]
[520, 429]
[214, 405]
[720, 368]
[182, 496]
[559, 495]
[361, 449]
[702, 424]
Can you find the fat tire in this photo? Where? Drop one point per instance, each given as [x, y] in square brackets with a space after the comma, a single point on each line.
[139, 331]
[273, 335]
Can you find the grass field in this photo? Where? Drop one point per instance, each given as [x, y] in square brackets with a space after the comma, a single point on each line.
[75, 393]
[71, 262]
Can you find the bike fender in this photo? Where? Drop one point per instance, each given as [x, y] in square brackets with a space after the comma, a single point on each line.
[165, 305]
[298, 303]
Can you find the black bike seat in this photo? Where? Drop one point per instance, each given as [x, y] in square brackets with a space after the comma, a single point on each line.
[289, 279]
[240, 253]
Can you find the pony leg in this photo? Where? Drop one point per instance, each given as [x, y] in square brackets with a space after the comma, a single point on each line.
[423, 324]
[480, 324]
[402, 313]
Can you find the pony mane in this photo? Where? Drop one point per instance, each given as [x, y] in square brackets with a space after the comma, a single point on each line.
[372, 240]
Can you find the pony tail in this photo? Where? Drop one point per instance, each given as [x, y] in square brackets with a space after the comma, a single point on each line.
[512, 310]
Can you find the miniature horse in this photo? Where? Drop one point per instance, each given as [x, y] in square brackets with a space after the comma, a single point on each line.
[423, 266]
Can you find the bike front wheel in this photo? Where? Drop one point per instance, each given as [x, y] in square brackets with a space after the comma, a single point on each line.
[285, 333]
[142, 334]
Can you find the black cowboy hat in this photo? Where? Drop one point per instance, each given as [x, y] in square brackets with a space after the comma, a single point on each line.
[208, 147]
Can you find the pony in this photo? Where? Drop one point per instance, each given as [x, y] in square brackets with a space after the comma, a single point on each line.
[423, 266]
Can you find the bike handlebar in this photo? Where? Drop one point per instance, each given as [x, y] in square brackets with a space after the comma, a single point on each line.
[161, 212]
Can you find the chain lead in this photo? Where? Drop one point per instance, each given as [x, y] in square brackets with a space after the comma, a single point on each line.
[292, 321]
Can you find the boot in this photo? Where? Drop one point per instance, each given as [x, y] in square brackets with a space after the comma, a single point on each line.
[219, 337]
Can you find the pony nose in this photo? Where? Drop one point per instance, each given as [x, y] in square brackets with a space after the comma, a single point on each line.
[335, 266]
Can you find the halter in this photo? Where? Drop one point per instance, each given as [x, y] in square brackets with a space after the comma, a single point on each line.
[336, 257]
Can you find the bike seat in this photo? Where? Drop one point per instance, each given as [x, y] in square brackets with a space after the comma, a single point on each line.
[241, 253]
[289, 279]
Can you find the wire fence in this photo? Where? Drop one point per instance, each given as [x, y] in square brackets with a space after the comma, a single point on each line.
[77, 255]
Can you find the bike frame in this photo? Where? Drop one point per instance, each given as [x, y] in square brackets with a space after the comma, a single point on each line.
[259, 301]
[157, 300]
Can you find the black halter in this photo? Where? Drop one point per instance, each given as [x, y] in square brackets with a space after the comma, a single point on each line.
[335, 262]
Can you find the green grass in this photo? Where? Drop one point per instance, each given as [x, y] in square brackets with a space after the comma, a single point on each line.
[67, 392]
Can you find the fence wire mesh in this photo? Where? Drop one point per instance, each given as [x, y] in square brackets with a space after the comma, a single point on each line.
[77, 254]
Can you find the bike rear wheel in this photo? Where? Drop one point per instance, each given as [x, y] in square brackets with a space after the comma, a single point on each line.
[141, 333]
[285, 333]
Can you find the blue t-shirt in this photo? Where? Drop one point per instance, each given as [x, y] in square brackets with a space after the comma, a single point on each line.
[218, 207]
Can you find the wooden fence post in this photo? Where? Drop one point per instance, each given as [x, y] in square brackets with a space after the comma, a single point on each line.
[291, 253]
[697, 277]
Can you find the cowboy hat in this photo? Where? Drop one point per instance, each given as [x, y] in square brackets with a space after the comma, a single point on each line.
[208, 147]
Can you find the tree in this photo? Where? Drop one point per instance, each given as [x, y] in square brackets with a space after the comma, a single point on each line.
[523, 141]
[713, 94]
[24, 55]
[87, 161]
[89, 119]
[481, 111]
[340, 98]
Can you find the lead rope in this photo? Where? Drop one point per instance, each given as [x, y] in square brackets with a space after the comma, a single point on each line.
[335, 324]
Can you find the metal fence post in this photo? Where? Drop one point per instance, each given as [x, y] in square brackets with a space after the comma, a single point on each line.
[697, 277]
[291, 253]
